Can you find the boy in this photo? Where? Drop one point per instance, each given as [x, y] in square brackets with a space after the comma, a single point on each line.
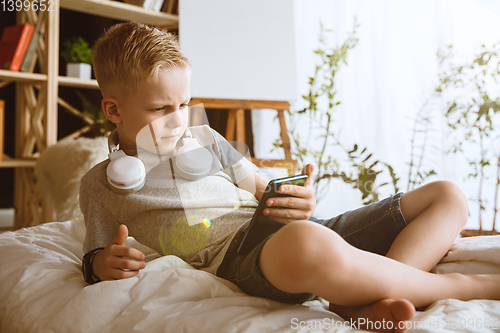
[372, 262]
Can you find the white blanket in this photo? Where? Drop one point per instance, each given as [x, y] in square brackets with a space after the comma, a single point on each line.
[42, 290]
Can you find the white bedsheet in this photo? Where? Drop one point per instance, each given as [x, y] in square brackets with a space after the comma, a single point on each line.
[42, 290]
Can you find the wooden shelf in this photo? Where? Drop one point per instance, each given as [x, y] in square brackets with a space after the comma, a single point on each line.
[217, 103]
[67, 81]
[17, 163]
[37, 110]
[121, 11]
[6, 75]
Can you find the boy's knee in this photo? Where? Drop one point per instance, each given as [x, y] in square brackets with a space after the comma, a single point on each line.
[300, 249]
[452, 193]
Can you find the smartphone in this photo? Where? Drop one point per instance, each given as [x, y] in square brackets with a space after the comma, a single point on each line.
[262, 226]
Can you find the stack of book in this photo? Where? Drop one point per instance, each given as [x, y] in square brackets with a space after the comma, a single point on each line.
[18, 46]
[167, 6]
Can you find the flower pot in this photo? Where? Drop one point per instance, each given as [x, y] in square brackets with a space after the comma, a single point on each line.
[79, 70]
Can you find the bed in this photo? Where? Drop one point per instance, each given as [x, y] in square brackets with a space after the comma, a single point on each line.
[42, 290]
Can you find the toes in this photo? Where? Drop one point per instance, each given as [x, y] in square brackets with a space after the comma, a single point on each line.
[402, 309]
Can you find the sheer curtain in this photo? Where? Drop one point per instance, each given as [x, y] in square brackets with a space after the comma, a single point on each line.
[390, 74]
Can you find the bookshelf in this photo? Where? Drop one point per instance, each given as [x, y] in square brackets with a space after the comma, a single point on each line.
[121, 11]
[37, 98]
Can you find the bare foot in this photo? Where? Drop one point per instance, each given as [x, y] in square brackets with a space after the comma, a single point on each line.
[387, 315]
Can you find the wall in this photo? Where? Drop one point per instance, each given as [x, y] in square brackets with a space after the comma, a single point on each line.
[240, 49]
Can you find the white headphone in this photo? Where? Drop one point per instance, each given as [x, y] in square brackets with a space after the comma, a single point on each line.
[127, 174]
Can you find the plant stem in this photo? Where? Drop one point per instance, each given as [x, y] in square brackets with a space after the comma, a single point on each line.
[495, 210]
[481, 181]
[419, 115]
[326, 137]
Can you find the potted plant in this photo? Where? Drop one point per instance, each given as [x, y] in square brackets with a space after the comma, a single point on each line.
[322, 104]
[473, 114]
[78, 56]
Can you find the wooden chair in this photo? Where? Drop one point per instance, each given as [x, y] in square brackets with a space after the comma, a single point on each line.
[236, 125]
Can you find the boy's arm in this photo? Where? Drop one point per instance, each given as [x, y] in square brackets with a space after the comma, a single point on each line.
[117, 261]
[255, 184]
[105, 234]
[301, 205]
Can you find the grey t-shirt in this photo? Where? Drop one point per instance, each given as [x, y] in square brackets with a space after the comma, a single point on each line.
[195, 220]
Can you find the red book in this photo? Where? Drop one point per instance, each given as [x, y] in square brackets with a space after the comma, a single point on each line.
[13, 45]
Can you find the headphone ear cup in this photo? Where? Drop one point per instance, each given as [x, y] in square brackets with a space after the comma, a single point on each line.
[192, 161]
[126, 174]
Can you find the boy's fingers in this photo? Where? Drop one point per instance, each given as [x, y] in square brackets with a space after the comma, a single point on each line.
[122, 235]
[294, 190]
[287, 218]
[132, 265]
[289, 202]
[127, 251]
[308, 170]
[118, 274]
[292, 214]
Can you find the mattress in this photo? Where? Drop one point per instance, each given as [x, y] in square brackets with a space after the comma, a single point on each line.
[42, 290]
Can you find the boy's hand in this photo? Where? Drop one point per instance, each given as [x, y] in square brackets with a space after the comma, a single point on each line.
[298, 207]
[110, 263]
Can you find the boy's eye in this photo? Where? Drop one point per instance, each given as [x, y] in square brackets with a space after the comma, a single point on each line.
[182, 106]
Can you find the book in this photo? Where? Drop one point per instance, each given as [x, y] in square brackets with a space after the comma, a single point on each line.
[29, 59]
[147, 4]
[14, 44]
[167, 6]
[164, 8]
[157, 4]
[171, 6]
[139, 3]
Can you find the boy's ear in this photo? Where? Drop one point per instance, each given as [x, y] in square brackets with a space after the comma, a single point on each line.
[110, 108]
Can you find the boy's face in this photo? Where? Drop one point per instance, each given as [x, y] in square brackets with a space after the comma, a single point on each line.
[160, 104]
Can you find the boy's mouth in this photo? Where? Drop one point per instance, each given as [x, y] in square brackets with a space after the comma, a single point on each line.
[173, 137]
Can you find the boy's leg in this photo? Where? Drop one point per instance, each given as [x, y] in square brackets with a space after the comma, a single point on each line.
[308, 257]
[440, 208]
[435, 214]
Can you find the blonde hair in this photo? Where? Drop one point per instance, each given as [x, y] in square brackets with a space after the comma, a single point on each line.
[128, 53]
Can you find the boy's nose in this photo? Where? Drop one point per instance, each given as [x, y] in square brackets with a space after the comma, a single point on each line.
[174, 119]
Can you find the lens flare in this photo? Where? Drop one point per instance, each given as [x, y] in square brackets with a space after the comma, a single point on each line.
[206, 223]
[184, 240]
[236, 207]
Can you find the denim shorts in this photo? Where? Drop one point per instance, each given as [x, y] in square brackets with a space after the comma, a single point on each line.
[371, 228]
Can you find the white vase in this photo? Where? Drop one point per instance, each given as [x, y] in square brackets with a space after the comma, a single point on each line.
[79, 70]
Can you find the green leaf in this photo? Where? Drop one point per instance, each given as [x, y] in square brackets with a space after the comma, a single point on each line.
[354, 149]
[366, 159]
